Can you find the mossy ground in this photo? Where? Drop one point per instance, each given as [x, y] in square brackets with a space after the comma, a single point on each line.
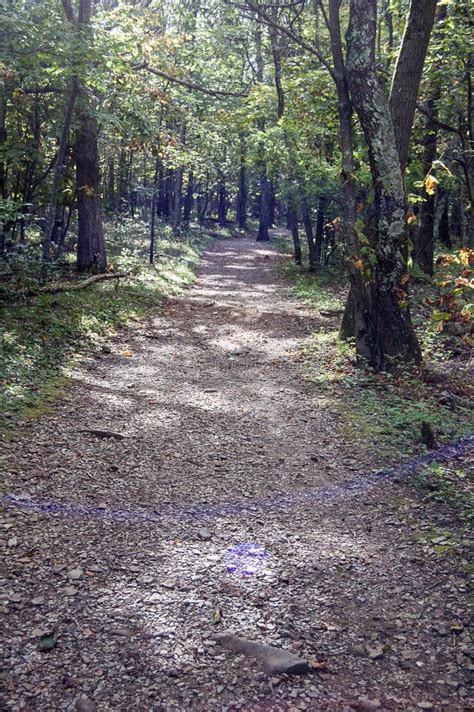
[42, 336]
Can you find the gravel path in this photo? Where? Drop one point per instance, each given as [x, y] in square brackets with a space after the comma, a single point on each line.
[213, 425]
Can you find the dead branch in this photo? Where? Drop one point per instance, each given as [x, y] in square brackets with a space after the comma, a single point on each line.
[73, 287]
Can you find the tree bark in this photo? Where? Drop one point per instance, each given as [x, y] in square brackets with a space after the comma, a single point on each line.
[388, 340]
[424, 247]
[408, 71]
[318, 237]
[90, 239]
[178, 184]
[265, 187]
[241, 211]
[50, 218]
[188, 199]
[444, 233]
[293, 226]
[222, 204]
[308, 228]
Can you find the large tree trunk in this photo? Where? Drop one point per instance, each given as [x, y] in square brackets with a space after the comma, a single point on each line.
[388, 339]
[90, 239]
[354, 322]
[408, 71]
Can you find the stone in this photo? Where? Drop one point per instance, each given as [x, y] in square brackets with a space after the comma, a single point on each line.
[275, 661]
[204, 534]
[84, 704]
[15, 598]
[366, 705]
[425, 705]
[75, 574]
[376, 653]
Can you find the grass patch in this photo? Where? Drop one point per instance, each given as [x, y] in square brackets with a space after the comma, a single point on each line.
[43, 336]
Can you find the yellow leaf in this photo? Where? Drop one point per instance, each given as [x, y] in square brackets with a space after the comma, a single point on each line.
[430, 184]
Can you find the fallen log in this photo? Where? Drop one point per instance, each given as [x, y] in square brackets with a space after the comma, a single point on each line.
[73, 286]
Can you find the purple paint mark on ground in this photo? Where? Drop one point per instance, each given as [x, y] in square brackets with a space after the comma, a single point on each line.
[245, 559]
[351, 487]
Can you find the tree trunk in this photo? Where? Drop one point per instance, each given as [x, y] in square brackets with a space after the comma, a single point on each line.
[222, 204]
[90, 239]
[241, 211]
[3, 168]
[308, 228]
[444, 234]
[424, 247]
[188, 199]
[357, 297]
[265, 208]
[318, 238]
[178, 185]
[50, 219]
[388, 339]
[295, 234]
[154, 210]
[408, 71]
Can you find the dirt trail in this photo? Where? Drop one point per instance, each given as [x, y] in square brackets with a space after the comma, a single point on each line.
[215, 411]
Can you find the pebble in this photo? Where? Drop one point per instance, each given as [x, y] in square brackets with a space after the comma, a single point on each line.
[75, 574]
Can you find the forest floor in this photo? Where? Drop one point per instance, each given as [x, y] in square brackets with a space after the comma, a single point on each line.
[194, 433]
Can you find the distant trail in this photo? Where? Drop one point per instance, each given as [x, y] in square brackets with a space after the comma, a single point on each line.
[195, 437]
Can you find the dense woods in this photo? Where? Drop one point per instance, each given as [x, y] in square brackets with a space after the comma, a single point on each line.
[350, 123]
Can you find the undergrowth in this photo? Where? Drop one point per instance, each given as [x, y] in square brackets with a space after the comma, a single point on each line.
[448, 487]
[382, 411]
[43, 335]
